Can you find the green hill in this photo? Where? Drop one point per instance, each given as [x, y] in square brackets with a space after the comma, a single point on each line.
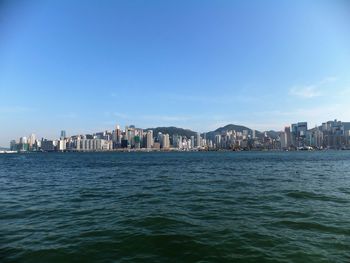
[172, 131]
[230, 127]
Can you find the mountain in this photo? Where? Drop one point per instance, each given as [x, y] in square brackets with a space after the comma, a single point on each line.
[209, 135]
[272, 134]
[173, 130]
[230, 127]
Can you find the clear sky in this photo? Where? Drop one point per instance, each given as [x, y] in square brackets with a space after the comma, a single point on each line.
[84, 66]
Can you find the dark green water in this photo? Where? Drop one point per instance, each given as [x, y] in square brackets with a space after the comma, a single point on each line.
[175, 207]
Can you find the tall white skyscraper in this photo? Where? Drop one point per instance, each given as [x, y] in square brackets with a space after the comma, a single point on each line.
[149, 139]
[254, 134]
[31, 139]
[192, 142]
[165, 141]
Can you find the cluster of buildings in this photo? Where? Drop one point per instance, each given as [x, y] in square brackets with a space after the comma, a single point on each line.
[131, 138]
[331, 135]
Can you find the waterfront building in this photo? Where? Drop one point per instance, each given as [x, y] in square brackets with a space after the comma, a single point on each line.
[31, 141]
[334, 134]
[192, 142]
[283, 140]
[130, 134]
[164, 141]
[47, 145]
[253, 134]
[159, 138]
[13, 145]
[23, 145]
[347, 137]
[94, 145]
[188, 144]
[149, 139]
[175, 141]
[117, 137]
[181, 145]
[198, 140]
[61, 146]
[38, 144]
[298, 134]
[245, 134]
[137, 142]
[218, 141]
[124, 143]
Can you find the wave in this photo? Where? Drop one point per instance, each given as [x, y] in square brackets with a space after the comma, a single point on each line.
[314, 196]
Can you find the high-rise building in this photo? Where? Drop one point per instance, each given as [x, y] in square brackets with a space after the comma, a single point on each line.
[283, 140]
[198, 140]
[159, 138]
[63, 134]
[315, 137]
[31, 140]
[61, 146]
[47, 145]
[125, 142]
[192, 142]
[165, 141]
[287, 136]
[334, 134]
[218, 141]
[253, 134]
[23, 140]
[149, 139]
[13, 145]
[298, 134]
[245, 134]
[117, 137]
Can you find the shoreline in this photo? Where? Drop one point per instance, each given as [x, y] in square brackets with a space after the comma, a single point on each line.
[169, 151]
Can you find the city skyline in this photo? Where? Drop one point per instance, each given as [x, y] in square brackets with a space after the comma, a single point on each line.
[195, 65]
[334, 134]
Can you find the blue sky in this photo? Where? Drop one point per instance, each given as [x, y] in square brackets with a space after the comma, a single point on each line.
[84, 66]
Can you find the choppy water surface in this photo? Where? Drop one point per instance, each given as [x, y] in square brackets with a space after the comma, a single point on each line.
[175, 207]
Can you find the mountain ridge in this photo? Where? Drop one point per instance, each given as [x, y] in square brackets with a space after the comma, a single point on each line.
[172, 130]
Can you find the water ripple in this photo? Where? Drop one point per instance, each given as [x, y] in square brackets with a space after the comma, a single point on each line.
[175, 207]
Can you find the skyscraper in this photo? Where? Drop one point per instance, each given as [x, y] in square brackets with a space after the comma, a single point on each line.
[63, 134]
[218, 141]
[165, 141]
[192, 142]
[13, 145]
[298, 134]
[149, 139]
[31, 140]
[118, 134]
[198, 141]
[287, 135]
